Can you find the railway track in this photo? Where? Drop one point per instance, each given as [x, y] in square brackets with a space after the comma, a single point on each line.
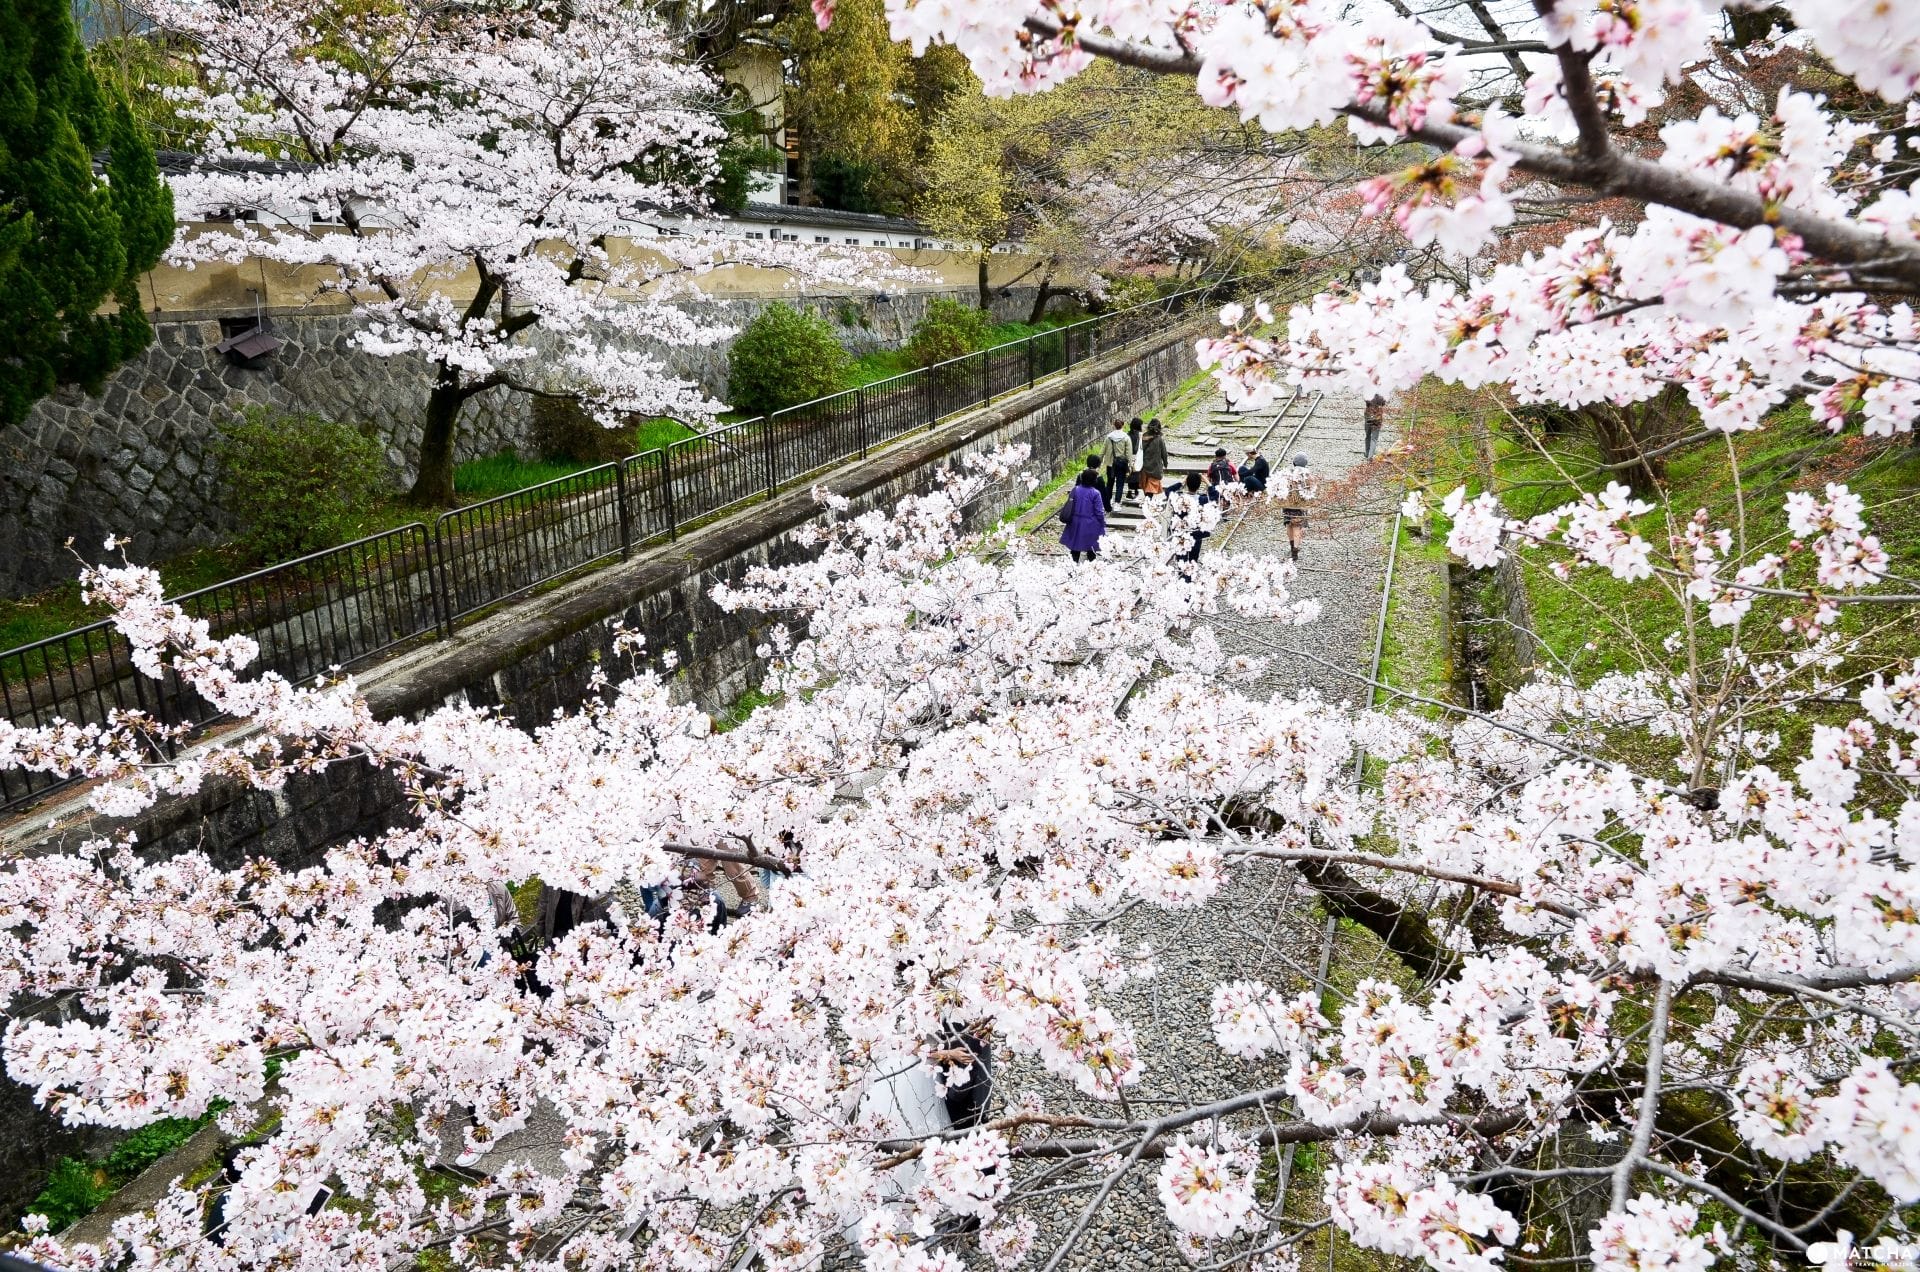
[1293, 440]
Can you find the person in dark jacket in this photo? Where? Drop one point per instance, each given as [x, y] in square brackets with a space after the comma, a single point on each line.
[1085, 516]
[1254, 470]
[1201, 496]
[1099, 478]
[561, 911]
[1220, 472]
[1153, 459]
[1134, 428]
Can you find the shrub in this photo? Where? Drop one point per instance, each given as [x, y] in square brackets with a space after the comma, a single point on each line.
[950, 330]
[1128, 290]
[298, 483]
[563, 429]
[782, 358]
[74, 1190]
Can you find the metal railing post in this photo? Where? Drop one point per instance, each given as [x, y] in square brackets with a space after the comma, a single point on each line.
[986, 375]
[1030, 378]
[933, 411]
[439, 568]
[860, 417]
[773, 478]
[666, 491]
[626, 517]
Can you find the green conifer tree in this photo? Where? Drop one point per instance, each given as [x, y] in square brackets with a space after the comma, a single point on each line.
[71, 240]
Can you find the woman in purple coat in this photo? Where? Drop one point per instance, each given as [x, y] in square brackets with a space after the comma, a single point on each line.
[1086, 516]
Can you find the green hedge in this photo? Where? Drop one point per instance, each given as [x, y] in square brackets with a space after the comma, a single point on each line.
[950, 330]
[298, 483]
[783, 358]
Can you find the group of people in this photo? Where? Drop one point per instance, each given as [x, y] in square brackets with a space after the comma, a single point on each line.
[1131, 464]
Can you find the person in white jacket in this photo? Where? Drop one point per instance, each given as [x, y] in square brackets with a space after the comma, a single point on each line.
[1116, 457]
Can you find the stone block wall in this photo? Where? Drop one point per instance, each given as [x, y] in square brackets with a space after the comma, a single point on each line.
[138, 460]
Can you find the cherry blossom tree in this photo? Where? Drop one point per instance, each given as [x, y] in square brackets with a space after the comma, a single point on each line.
[961, 817]
[478, 172]
[1690, 983]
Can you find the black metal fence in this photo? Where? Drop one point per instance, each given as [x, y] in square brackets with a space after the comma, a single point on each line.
[348, 605]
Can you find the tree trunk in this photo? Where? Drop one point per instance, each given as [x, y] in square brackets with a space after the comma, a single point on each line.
[803, 173]
[986, 293]
[1040, 300]
[1401, 929]
[433, 488]
[1625, 435]
[1623, 449]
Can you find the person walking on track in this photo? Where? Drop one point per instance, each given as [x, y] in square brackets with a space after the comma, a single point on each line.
[1116, 453]
[1299, 493]
[1085, 517]
[1153, 459]
[1197, 496]
[1376, 419]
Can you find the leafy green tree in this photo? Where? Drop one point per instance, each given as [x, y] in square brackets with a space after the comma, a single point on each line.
[848, 184]
[71, 239]
[782, 358]
[860, 105]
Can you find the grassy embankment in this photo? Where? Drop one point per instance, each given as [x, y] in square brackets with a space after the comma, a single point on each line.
[1590, 624]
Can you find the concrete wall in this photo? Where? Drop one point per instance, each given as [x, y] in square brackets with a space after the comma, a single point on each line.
[139, 459]
[539, 655]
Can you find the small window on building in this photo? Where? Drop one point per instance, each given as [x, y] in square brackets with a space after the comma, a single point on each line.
[754, 234]
[853, 240]
[821, 238]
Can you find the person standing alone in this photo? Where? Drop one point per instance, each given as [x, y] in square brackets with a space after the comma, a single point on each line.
[1299, 493]
[1085, 515]
[1376, 419]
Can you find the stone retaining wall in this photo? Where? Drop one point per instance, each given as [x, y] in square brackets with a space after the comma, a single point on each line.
[539, 655]
[138, 459]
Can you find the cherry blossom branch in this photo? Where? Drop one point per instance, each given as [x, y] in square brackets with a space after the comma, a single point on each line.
[1443, 874]
[743, 857]
[1608, 172]
[1649, 1096]
[1489, 1125]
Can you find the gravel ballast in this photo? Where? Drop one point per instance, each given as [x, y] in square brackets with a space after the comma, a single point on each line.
[1262, 926]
